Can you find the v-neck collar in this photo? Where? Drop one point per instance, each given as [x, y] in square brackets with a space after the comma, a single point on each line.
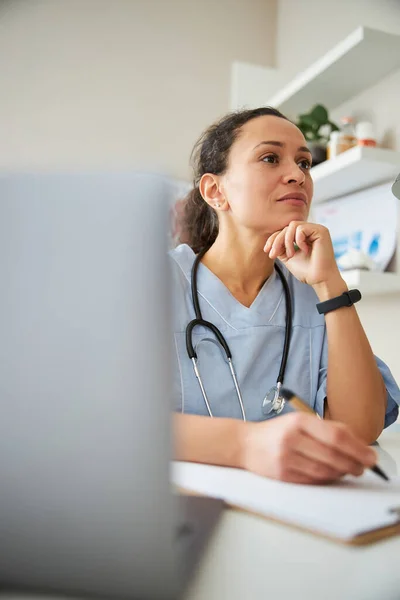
[212, 291]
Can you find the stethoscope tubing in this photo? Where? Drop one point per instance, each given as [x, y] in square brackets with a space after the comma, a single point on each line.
[199, 321]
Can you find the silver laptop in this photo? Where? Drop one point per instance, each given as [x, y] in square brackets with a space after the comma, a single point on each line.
[85, 395]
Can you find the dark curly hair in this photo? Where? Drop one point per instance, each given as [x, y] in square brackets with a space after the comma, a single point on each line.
[210, 155]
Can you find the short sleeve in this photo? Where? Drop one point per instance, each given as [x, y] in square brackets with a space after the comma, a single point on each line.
[393, 393]
[392, 389]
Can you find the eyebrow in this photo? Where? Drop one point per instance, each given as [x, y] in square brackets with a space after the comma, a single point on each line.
[281, 145]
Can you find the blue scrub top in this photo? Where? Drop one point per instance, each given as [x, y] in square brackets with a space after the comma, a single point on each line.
[255, 336]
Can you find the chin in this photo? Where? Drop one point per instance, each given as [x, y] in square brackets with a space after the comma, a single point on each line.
[276, 222]
[293, 214]
[284, 220]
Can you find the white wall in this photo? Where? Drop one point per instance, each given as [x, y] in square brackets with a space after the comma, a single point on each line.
[114, 83]
[309, 28]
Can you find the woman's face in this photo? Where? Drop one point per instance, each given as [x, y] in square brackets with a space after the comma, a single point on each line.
[267, 183]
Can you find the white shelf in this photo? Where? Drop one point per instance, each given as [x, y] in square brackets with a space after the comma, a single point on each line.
[358, 62]
[354, 65]
[353, 170]
[372, 283]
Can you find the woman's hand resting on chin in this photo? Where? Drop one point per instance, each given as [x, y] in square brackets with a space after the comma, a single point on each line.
[314, 260]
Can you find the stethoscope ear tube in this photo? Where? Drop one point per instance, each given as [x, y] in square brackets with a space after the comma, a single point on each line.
[288, 328]
[193, 284]
[189, 342]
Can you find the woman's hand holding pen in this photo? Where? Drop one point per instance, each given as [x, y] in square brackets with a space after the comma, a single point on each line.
[313, 261]
[299, 448]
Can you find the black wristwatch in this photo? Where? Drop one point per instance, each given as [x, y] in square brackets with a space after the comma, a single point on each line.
[346, 299]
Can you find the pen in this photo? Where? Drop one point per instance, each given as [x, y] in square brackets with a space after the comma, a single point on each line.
[300, 405]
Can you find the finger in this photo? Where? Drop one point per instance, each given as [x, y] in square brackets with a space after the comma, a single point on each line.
[289, 240]
[278, 246]
[312, 231]
[270, 241]
[314, 449]
[339, 437]
[301, 239]
[316, 471]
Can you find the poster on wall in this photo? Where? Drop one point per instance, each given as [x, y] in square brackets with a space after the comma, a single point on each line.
[366, 221]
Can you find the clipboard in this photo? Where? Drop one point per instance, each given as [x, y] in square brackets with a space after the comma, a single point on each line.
[353, 511]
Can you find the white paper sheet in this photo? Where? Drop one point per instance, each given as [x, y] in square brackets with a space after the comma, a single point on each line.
[343, 510]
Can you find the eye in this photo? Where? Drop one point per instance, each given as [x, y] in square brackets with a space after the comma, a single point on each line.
[305, 164]
[272, 159]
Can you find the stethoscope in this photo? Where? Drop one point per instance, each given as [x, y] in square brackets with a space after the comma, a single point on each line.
[273, 401]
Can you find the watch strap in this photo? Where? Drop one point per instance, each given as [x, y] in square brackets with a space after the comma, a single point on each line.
[348, 298]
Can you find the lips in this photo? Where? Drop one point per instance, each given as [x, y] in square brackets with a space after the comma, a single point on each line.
[295, 197]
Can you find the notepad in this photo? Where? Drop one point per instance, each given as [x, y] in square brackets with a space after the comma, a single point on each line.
[346, 510]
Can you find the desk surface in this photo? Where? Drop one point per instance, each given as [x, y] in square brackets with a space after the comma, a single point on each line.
[252, 558]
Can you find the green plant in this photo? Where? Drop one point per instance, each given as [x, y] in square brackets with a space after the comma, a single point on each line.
[315, 125]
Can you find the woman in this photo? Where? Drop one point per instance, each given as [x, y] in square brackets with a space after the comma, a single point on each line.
[248, 209]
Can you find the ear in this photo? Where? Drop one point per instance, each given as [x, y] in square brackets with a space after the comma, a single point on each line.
[210, 189]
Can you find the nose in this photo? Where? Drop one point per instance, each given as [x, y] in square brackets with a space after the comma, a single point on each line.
[294, 174]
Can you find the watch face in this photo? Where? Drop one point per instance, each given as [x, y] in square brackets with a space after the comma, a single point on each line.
[355, 295]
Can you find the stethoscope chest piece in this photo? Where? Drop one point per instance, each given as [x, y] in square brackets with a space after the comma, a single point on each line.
[273, 401]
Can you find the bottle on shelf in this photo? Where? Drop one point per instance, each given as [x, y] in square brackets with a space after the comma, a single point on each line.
[365, 134]
[333, 147]
[342, 140]
[347, 132]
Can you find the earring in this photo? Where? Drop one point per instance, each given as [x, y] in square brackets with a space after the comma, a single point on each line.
[217, 205]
